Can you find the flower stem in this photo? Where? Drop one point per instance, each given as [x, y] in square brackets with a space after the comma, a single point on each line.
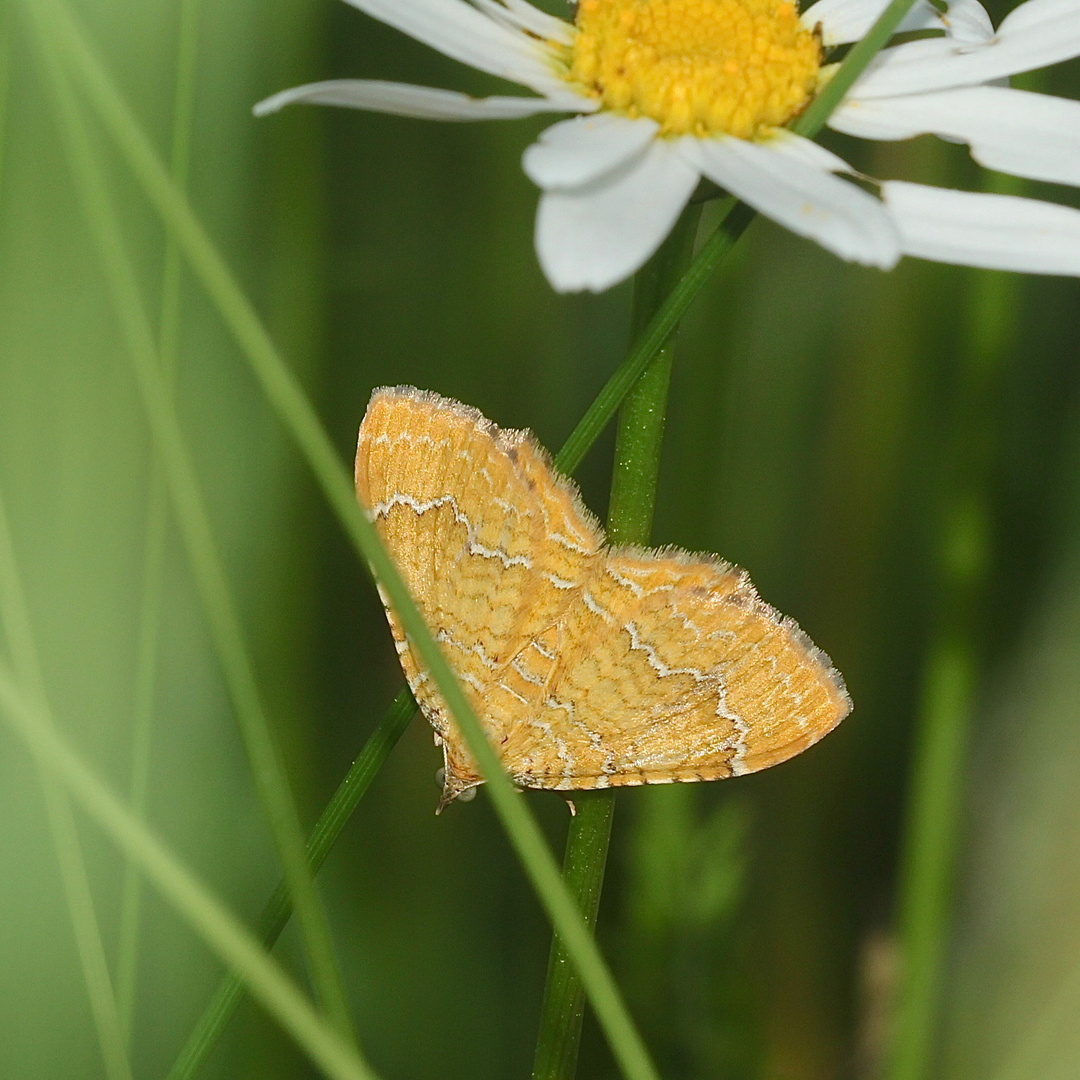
[564, 997]
[650, 335]
[630, 513]
[640, 430]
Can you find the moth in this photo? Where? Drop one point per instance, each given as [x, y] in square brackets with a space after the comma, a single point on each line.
[589, 666]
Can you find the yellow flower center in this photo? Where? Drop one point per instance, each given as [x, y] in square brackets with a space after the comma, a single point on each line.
[697, 66]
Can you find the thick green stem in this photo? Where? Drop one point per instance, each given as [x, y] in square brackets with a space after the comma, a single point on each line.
[640, 432]
[650, 338]
[564, 997]
[630, 513]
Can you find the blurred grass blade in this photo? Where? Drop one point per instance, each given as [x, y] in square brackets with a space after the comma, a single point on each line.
[268, 771]
[952, 672]
[156, 520]
[15, 617]
[18, 634]
[225, 935]
[930, 851]
[6, 21]
[276, 914]
[297, 415]
[91, 948]
[127, 950]
[1036, 1045]
[278, 382]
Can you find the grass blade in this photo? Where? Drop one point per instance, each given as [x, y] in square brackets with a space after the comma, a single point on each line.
[156, 519]
[15, 618]
[275, 916]
[862, 52]
[223, 932]
[715, 250]
[952, 674]
[267, 768]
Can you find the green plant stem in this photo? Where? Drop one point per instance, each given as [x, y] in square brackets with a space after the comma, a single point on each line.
[269, 774]
[18, 634]
[563, 1009]
[30, 720]
[640, 433]
[156, 520]
[650, 340]
[951, 676]
[275, 915]
[636, 472]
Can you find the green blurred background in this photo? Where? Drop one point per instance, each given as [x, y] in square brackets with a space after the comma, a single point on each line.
[817, 416]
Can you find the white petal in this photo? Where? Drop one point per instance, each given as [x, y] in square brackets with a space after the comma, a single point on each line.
[1013, 131]
[576, 152]
[807, 152]
[594, 237]
[800, 196]
[534, 20]
[1034, 14]
[998, 232]
[967, 20]
[459, 31]
[403, 99]
[1035, 35]
[849, 20]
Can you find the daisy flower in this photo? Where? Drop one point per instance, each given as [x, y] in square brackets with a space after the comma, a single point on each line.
[669, 91]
